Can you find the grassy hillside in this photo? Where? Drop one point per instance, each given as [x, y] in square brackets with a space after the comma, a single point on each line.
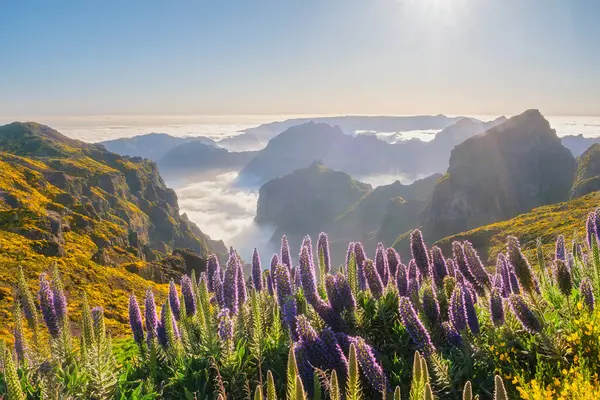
[106, 221]
[543, 222]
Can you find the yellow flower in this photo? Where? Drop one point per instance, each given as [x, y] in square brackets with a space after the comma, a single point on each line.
[580, 306]
[564, 371]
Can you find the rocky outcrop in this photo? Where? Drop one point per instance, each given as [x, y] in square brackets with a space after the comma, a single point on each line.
[508, 170]
[54, 184]
[587, 179]
[307, 200]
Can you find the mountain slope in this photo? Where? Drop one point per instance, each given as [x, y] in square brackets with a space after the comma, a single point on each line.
[304, 201]
[95, 214]
[383, 207]
[503, 172]
[359, 155]
[587, 179]
[152, 146]
[545, 222]
[196, 157]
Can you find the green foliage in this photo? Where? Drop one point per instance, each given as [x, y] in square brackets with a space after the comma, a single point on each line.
[353, 385]
[334, 387]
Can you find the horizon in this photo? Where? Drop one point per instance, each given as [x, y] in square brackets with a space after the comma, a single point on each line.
[400, 57]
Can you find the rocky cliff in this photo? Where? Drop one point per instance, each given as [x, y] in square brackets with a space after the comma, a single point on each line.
[587, 179]
[97, 215]
[503, 172]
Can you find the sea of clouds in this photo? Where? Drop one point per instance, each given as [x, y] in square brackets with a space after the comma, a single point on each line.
[217, 206]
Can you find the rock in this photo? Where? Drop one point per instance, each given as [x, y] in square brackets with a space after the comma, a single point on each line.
[587, 179]
[503, 172]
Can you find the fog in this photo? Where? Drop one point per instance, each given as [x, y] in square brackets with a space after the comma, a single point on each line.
[225, 211]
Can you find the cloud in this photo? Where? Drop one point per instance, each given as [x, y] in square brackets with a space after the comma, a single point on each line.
[225, 211]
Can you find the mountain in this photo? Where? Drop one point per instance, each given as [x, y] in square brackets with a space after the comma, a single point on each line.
[383, 213]
[243, 142]
[304, 201]
[152, 146]
[107, 221]
[315, 199]
[546, 223]
[506, 171]
[198, 157]
[578, 144]
[359, 155]
[351, 124]
[587, 179]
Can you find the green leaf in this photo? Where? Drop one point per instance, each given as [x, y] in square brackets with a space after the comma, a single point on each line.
[353, 387]
[292, 374]
[468, 391]
[499, 390]
[271, 392]
[397, 393]
[334, 390]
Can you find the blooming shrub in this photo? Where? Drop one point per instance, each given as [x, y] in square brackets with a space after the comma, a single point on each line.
[434, 327]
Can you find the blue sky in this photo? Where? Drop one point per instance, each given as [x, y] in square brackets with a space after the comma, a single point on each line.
[299, 57]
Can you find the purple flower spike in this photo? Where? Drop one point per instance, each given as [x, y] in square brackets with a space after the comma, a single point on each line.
[349, 253]
[412, 291]
[460, 258]
[456, 310]
[189, 300]
[339, 293]
[587, 293]
[359, 251]
[504, 272]
[451, 335]
[521, 266]
[46, 298]
[451, 266]
[524, 314]
[274, 261]
[307, 242]
[307, 274]
[402, 280]
[225, 327]
[98, 321]
[438, 267]
[135, 320]
[60, 300]
[323, 252]
[562, 275]
[270, 288]
[256, 271]
[373, 280]
[219, 291]
[469, 302]
[482, 278]
[286, 259]
[174, 300]
[151, 315]
[560, 248]
[591, 228]
[283, 283]
[415, 327]
[419, 252]
[381, 264]
[515, 287]
[230, 288]
[597, 223]
[393, 259]
[496, 308]
[335, 353]
[241, 284]
[413, 271]
[289, 312]
[213, 270]
[431, 307]
[370, 367]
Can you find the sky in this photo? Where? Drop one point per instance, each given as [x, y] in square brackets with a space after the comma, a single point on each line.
[299, 57]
